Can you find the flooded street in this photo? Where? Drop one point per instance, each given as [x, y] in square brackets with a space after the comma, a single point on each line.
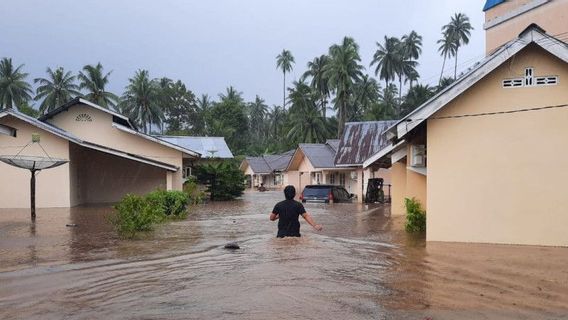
[363, 265]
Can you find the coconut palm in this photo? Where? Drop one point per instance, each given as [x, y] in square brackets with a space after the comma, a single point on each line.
[141, 99]
[14, 90]
[93, 80]
[284, 61]
[308, 125]
[319, 82]
[55, 90]
[405, 68]
[231, 94]
[447, 49]
[367, 93]
[387, 58]
[276, 118]
[415, 97]
[342, 71]
[257, 113]
[459, 31]
[412, 44]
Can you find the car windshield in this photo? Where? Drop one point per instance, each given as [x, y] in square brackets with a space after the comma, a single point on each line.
[316, 191]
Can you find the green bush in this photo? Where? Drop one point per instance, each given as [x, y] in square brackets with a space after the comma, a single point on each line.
[137, 213]
[191, 189]
[224, 180]
[415, 216]
[134, 214]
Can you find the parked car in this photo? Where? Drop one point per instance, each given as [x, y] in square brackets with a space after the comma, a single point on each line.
[325, 193]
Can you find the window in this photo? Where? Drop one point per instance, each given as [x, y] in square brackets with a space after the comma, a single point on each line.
[418, 155]
[186, 172]
[277, 179]
[342, 179]
[331, 178]
[530, 80]
[317, 177]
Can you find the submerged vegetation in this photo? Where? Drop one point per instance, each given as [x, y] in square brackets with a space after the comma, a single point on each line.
[224, 180]
[334, 80]
[415, 216]
[141, 213]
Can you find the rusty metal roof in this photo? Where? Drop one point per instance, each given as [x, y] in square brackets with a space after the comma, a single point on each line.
[361, 140]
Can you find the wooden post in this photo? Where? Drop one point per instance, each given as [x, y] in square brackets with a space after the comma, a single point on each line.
[32, 195]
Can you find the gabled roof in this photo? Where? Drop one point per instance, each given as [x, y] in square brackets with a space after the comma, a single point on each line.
[320, 155]
[267, 164]
[532, 35]
[492, 3]
[71, 138]
[361, 140]
[119, 118]
[208, 147]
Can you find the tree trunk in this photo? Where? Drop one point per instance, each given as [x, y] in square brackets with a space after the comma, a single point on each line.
[442, 73]
[284, 92]
[399, 94]
[456, 66]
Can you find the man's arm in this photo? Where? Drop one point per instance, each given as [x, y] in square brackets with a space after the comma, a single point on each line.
[273, 216]
[311, 221]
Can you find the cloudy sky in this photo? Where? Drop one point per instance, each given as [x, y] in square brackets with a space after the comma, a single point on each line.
[211, 44]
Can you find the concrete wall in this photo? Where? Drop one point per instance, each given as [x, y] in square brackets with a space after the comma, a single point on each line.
[552, 17]
[99, 130]
[398, 176]
[98, 177]
[52, 185]
[502, 179]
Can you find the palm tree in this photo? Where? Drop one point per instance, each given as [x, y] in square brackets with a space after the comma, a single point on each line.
[405, 68]
[447, 49]
[412, 44]
[232, 95]
[308, 125]
[276, 118]
[284, 61]
[367, 93]
[416, 97]
[204, 104]
[319, 82]
[14, 90]
[94, 81]
[55, 90]
[459, 30]
[257, 113]
[387, 58]
[342, 71]
[141, 98]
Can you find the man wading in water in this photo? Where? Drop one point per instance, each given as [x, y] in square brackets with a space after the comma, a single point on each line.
[288, 212]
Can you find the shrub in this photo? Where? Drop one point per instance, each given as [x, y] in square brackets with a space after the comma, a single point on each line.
[171, 204]
[134, 214]
[191, 189]
[415, 216]
[224, 180]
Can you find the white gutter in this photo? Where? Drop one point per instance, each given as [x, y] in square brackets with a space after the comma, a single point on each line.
[383, 152]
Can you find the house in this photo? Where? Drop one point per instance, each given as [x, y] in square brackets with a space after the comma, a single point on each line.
[108, 157]
[487, 156]
[267, 170]
[361, 140]
[212, 149]
[505, 19]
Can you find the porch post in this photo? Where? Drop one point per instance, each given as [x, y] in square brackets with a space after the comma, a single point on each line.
[169, 180]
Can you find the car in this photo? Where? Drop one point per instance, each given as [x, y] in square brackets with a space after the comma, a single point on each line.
[325, 193]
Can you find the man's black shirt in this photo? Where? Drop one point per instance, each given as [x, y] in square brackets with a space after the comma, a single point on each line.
[288, 212]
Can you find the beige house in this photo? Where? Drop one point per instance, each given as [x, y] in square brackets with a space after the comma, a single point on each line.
[108, 157]
[487, 156]
[266, 170]
[505, 19]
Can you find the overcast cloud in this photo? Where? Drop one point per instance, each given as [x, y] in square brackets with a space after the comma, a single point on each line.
[210, 45]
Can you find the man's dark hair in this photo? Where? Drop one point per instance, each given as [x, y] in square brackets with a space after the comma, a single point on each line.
[289, 192]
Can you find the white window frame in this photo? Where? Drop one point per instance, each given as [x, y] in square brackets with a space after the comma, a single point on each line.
[418, 155]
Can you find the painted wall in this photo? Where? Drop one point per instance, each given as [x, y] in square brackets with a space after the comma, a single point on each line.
[502, 179]
[552, 17]
[398, 176]
[99, 130]
[52, 185]
[98, 177]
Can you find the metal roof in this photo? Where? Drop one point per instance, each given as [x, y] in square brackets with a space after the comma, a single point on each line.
[68, 136]
[492, 3]
[208, 147]
[361, 140]
[321, 155]
[270, 163]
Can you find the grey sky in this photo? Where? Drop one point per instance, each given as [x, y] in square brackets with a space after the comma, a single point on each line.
[213, 44]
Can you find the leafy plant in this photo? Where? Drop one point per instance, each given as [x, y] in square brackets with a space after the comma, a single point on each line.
[224, 180]
[415, 216]
[193, 192]
[171, 204]
[135, 214]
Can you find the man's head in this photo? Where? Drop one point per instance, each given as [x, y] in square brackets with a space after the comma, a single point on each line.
[289, 192]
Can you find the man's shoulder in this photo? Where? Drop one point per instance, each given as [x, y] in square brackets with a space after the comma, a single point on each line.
[289, 203]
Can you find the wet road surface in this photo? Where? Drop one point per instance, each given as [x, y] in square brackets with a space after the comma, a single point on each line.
[361, 266]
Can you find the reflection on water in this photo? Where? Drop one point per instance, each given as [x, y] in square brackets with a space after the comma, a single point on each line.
[362, 266]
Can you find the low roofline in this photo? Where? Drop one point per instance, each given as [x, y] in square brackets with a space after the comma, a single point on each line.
[382, 153]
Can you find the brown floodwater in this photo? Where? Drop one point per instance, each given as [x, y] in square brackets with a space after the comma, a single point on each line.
[361, 266]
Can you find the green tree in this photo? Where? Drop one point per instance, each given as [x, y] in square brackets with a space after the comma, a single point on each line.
[412, 48]
[224, 180]
[319, 82]
[415, 97]
[227, 118]
[14, 90]
[308, 125]
[444, 82]
[204, 105]
[284, 61]
[343, 70]
[257, 114]
[180, 112]
[367, 95]
[387, 58]
[447, 49]
[459, 31]
[93, 80]
[141, 99]
[55, 90]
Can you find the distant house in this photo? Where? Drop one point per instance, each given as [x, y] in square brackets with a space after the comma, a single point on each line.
[210, 148]
[108, 157]
[487, 156]
[267, 170]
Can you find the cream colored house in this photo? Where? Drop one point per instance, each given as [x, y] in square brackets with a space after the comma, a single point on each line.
[487, 156]
[266, 170]
[108, 157]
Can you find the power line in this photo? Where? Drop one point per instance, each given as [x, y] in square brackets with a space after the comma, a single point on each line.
[483, 114]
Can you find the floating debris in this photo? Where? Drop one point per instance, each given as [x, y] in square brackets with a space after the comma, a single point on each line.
[73, 225]
[232, 246]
